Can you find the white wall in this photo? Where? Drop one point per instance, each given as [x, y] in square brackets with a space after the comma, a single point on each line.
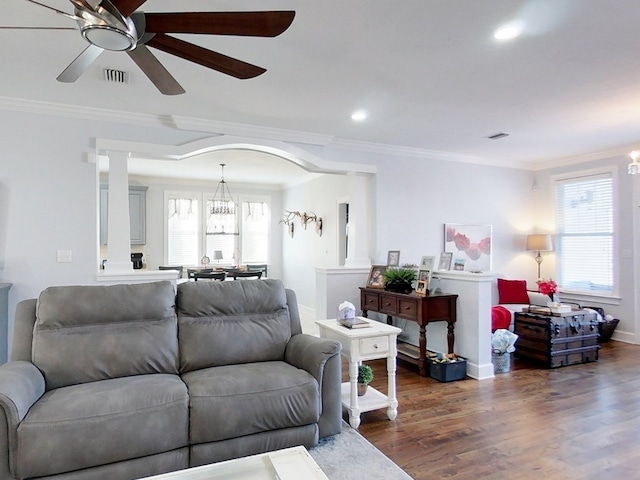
[307, 250]
[49, 202]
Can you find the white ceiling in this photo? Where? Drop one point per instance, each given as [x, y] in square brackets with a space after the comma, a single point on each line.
[428, 72]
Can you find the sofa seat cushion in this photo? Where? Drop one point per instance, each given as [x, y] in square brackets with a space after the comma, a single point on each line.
[102, 422]
[236, 400]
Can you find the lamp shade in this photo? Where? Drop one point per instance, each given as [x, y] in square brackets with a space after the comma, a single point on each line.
[217, 254]
[540, 242]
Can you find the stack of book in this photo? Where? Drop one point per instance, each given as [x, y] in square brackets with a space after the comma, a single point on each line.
[354, 322]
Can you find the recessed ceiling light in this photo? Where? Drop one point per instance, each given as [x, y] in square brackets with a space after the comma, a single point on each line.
[359, 115]
[507, 32]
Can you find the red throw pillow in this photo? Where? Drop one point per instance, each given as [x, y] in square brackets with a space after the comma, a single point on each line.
[500, 318]
[512, 291]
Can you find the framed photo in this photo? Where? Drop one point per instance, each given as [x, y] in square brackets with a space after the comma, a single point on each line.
[422, 288]
[445, 261]
[470, 246]
[458, 264]
[424, 275]
[376, 276]
[393, 258]
[427, 262]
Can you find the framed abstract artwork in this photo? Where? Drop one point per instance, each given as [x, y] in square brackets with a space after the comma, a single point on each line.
[470, 246]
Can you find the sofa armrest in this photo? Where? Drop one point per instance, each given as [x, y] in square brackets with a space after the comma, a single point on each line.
[21, 385]
[321, 358]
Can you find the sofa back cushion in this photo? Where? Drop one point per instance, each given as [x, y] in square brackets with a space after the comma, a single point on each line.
[88, 333]
[225, 323]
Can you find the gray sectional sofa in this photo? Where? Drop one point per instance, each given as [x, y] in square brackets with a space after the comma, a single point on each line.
[127, 381]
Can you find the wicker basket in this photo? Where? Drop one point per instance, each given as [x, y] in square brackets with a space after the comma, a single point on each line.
[606, 329]
[501, 362]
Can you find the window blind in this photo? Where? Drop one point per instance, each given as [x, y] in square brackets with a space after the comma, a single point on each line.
[193, 233]
[585, 234]
[182, 231]
[255, 232]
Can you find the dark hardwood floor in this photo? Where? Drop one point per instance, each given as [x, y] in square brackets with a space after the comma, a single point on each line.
[577, 422]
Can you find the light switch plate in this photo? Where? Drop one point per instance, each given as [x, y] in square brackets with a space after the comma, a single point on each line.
[64, 256]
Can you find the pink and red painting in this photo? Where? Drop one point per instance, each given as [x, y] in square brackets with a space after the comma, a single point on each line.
[470, 245]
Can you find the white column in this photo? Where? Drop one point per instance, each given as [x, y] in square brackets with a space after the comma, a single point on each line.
[360, 224]
[119, 235]
[336, 285]
[473, 324]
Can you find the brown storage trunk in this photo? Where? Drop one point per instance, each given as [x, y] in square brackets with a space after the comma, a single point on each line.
[557, 340]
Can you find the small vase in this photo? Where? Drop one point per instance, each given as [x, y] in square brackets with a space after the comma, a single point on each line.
[362, 389]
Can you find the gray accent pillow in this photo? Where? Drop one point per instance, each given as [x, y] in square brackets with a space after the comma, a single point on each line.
[88, 333]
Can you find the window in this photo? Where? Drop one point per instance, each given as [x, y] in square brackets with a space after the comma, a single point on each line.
[585, 234]
[255, 231]
[244, 238]
[183, 230]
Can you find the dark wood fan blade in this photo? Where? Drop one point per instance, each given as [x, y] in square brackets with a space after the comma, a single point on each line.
[155, 71]
[127, 7]
[252, 24]
[207, 58]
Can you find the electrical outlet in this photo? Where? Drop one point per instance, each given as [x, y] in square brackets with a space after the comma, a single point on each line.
[64, 256]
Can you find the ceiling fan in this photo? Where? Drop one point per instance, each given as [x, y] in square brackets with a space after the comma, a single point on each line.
[116, 25]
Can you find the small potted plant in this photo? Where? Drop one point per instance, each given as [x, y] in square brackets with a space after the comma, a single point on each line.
[365, 375]
[399, 279]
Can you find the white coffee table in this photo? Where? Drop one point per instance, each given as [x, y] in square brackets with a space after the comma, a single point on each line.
[288, 464]
[360, 344]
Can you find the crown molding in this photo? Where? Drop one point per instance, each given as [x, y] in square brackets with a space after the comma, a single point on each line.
[584, 158]
[399, 150]
[83, 113]
[289, 136]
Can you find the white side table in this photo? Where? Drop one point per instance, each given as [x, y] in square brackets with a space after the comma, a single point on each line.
[358, 345]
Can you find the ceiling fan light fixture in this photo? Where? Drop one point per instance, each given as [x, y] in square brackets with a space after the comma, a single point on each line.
[109, 38]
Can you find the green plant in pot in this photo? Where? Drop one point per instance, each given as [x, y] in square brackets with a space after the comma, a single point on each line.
[365, 375]
[399, 279]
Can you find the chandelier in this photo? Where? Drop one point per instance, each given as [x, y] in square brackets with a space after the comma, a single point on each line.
[634, 167]
[223, 210]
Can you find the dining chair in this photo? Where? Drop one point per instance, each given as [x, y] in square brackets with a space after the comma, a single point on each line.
[220, 276]
[258, 266]
[179, 268]
[256, 274]
[192, 271]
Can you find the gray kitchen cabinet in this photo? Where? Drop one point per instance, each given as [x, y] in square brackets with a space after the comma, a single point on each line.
[137, 214]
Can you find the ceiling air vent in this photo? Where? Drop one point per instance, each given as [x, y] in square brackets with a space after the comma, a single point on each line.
[116, 76]
[497, 136]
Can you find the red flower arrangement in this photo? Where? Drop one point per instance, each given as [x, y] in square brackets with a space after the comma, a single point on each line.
[548, 287]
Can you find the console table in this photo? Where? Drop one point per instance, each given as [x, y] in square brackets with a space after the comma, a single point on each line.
[439, 307]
